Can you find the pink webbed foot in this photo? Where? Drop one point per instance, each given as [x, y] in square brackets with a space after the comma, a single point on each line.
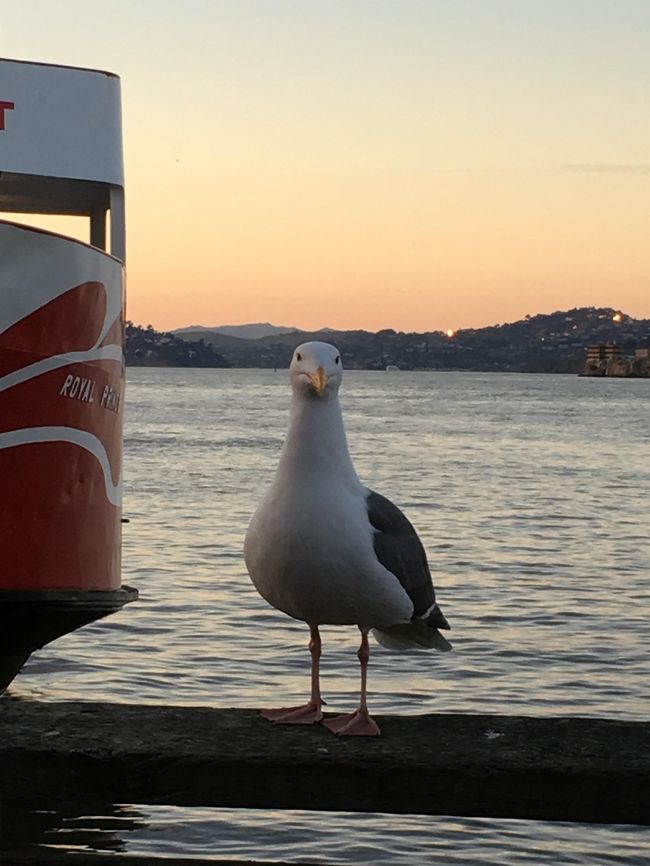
[356, 724]
[309, 714]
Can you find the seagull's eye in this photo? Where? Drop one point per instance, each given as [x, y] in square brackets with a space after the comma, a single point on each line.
[337, 359]
[298, 356]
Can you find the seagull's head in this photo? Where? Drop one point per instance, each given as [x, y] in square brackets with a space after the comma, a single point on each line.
[315, 369]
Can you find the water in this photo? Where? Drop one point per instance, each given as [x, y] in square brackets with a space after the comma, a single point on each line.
[531, 496]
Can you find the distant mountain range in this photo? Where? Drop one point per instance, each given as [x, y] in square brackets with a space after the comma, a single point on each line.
[554, 342]
[253, 331]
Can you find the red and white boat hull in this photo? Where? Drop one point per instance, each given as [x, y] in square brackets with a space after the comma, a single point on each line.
[61, 409]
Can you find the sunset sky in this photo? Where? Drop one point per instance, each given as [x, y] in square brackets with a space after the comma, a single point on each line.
[414, 164]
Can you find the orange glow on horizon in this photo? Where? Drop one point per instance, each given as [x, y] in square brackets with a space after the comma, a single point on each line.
[207, 287]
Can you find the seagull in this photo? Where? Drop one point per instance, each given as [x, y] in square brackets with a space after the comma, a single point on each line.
[326, 550]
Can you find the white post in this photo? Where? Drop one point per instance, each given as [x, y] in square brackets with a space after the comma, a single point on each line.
[118, 224]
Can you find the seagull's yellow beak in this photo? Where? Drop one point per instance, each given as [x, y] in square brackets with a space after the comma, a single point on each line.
[318, 381]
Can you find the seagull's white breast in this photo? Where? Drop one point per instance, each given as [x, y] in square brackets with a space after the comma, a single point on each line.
[309, 552]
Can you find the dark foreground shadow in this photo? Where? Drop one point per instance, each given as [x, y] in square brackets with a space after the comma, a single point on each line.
[32, 829]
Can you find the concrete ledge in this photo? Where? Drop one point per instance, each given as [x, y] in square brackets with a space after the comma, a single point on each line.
[567, 769]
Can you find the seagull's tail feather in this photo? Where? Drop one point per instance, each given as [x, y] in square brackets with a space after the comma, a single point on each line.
[420, 633]
[417, 634]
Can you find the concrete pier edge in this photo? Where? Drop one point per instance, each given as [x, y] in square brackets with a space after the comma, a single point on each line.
[561, 769]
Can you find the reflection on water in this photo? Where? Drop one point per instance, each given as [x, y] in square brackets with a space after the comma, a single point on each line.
[530, 494]
[312, 837]
[30, 826]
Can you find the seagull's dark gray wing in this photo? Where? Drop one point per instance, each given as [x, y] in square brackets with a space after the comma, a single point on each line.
[399, 550]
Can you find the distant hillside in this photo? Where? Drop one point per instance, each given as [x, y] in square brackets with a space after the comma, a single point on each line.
[244, 332]
[545, 343]
[146, 347]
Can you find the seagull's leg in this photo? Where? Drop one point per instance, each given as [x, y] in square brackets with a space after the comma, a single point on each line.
[359, 723]
[312, 712]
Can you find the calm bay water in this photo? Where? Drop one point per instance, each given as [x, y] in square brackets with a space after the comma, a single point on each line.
[531, 494]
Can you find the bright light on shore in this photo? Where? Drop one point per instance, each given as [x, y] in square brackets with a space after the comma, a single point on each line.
[617, 317]
[450, 332]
